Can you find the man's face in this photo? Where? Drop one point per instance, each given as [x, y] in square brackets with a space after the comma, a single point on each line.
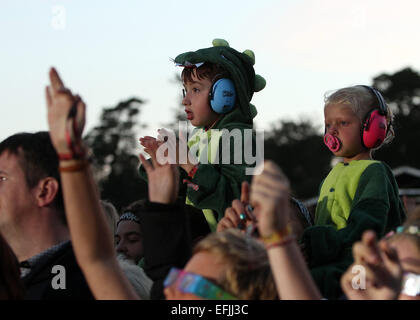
[129, 240]
[16, 198]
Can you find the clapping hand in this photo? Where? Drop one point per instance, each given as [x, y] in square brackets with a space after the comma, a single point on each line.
[168, 148]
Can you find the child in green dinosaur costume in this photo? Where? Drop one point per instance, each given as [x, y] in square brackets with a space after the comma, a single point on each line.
[359, 193]
[213, 183]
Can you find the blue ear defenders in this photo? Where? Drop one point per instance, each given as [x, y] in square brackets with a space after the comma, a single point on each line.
[222, 96]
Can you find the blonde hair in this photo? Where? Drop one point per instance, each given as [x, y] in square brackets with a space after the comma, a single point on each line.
[248, 273]
[111, 215]
[141, 283]
[362, 101]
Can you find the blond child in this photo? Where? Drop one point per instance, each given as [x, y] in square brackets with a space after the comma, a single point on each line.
[359, 193]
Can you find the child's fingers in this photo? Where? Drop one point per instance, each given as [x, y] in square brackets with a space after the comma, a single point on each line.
[145, 139]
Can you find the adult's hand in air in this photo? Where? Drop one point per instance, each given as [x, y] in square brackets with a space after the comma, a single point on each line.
[66, 115]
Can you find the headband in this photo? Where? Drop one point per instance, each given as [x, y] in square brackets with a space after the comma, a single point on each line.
[128, 216]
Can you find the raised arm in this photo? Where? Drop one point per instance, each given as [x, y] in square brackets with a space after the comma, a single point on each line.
[90, 233]
[270, 199]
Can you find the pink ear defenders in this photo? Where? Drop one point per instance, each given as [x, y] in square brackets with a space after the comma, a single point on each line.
[375, 126]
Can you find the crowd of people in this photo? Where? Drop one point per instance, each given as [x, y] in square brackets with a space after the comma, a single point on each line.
[208, 230]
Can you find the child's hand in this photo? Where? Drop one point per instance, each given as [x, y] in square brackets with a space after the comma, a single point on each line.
[381, 271]
[270, 199]
[175, 149]
[163, 180]
[150, 145]
[66, 115]
[239, 215]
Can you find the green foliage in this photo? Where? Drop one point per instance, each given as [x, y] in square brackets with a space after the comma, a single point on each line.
[113, 144]
[402, 92]
[297, 147]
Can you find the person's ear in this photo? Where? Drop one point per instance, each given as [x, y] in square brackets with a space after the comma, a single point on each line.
[47, 191]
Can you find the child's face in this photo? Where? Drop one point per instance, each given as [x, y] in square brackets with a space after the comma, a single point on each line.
[342, 122]
[196, 102]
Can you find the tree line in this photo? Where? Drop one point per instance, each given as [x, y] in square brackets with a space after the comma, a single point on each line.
[296, 146]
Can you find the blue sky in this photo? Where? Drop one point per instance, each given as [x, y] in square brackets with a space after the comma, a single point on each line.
[108, 51]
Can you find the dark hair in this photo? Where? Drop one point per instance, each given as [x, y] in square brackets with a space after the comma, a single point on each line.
[11, 286]
[37, 158]
[135, 207]
[210, 71]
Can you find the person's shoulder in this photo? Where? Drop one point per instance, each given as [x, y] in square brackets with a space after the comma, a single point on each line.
[376, 166]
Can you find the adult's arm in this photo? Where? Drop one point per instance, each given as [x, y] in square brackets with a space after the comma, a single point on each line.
[90, 233]
[270, 197]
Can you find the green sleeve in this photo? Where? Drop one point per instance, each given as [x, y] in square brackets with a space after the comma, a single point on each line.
[369, 211]
[217, 186]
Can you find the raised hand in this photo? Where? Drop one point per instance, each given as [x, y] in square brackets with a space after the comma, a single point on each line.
[163, 180]
[378, 268]
[270, 199]
[238, 215]
[66, 117]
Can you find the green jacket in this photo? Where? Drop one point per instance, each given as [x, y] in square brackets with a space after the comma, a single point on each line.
[355, 197]
[215, 185]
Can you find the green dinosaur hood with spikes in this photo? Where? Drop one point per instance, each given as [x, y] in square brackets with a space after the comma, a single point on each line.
[240, 67]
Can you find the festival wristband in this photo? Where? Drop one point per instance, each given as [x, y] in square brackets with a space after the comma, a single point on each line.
[279, 238]
[78, 165]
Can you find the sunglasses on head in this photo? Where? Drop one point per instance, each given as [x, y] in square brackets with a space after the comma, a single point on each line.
[188, 282]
